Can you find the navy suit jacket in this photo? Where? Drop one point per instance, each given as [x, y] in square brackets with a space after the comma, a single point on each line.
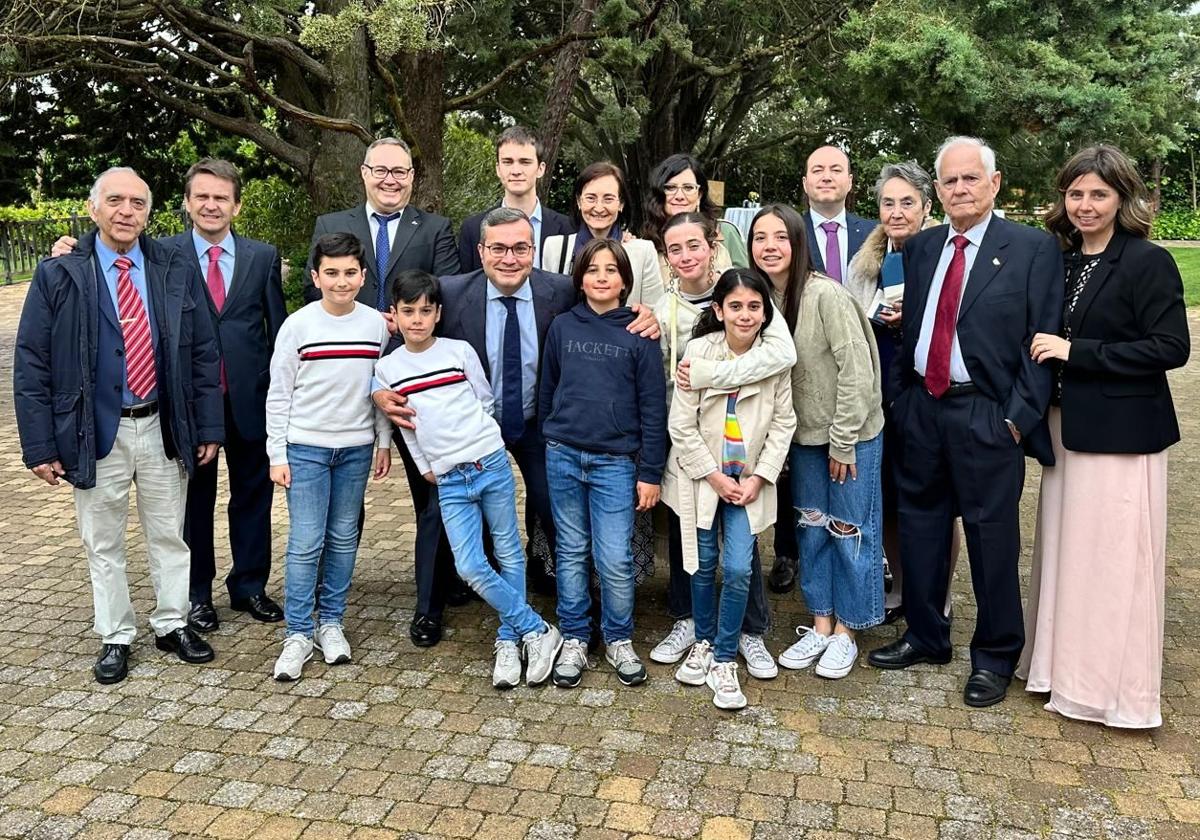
[423, 241]
[246, 327]
[857, 229]
[1015, 289]
[464, 307]
[553, 224]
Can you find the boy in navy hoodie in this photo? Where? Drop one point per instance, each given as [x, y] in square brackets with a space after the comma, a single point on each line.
[602, 408]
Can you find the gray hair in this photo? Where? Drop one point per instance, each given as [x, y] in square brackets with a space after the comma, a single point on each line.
[94, 195]
[387, 141]
[986, 153]
[502, 216]
[911, 173]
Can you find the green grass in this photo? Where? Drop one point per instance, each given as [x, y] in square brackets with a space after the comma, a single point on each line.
[1188, 260]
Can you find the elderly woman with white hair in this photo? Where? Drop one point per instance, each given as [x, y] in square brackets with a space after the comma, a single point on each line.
[875, 277]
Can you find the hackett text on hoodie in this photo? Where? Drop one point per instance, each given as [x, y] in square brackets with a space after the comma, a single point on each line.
[602, 389]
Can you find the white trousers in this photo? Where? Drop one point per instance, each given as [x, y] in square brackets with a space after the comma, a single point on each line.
[137, 457]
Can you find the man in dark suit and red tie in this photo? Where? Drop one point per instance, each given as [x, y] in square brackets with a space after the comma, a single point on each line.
[967, 399]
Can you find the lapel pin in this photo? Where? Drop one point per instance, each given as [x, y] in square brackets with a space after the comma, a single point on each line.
[995, 261]
[414, 222]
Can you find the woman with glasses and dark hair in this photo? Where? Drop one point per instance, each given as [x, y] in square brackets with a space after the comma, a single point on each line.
[1094, 620]
[678, 185]
[600, 201]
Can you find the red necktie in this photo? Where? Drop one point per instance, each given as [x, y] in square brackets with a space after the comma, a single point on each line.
[216, 288]
[135, 328]
[937, 366]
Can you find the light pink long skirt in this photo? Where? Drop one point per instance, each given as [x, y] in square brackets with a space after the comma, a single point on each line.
[1094, 619]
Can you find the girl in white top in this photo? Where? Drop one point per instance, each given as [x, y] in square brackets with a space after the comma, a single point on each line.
[600, 201]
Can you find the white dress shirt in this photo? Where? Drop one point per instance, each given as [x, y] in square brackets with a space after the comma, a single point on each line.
[958, 368]
[373, 223]
[843, 236]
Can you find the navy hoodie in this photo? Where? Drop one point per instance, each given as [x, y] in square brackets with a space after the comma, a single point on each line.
[602, 389]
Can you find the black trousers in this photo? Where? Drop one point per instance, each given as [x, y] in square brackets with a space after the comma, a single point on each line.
[785, 520]
[250, 494]
[757, 619]
[957, 457]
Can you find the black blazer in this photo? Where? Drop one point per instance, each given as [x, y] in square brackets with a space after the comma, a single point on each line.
[1129, 327]
[857, 229]
[423, 241]
[553, 224]
[464, 308]
[246, 327]
[1015, 289]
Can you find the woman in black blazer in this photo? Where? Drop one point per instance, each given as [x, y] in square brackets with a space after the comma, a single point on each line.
[1094, 623]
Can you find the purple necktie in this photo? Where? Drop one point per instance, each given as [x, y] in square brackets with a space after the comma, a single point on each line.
[833, 251]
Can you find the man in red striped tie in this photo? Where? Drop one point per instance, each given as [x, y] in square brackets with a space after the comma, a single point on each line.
[116, 381]
[967, 400]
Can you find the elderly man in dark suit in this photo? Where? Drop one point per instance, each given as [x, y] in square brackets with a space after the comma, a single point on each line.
[503, 311]
[116, 380]
[519, 165]
[966, 396]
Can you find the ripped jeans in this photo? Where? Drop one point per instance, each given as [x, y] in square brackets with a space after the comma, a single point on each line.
[838, 529]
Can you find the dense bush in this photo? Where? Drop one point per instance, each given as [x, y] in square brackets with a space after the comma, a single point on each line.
[1177, 224]
[277, 212]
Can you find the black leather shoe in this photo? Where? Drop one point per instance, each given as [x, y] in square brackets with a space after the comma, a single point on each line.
[783, 575]
[900, 654]
[459, 594]
[184, 643]
[985, 688]
[202, 617]
[893, 614]
[425, 631]
[112, 665]
[260, 607]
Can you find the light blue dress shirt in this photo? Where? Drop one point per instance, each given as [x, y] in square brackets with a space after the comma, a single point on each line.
[958, 367]
[497, 314]
[108, 264]
[225, 261]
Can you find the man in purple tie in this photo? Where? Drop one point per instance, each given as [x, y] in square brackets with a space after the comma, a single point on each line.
[834, 236]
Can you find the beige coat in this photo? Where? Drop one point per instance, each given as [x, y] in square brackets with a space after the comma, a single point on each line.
[697, 426]
[643, 259]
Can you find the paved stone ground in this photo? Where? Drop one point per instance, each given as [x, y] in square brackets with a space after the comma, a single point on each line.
[411, 743]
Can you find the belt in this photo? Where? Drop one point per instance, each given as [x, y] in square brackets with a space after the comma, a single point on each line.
[956, 389]
[144, 410]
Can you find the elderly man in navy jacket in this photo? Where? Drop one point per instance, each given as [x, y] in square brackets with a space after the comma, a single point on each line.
[116, 380]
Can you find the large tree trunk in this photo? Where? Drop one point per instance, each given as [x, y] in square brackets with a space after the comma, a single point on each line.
[421, 80]
[562, 86]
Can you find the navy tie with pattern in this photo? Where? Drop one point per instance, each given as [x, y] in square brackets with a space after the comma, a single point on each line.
[512, 402]
[383, 252]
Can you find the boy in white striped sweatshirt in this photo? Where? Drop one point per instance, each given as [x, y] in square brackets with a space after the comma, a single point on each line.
[324, 437]
[457, 445]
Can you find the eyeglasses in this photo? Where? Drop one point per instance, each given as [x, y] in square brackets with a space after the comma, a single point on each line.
[400, 173]
[520, 250]
[591, 200]
[686, 189]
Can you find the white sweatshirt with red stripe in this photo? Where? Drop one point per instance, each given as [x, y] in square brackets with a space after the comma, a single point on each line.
[320, 392]
[446, 386]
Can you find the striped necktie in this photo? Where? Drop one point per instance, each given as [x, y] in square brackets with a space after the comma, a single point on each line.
[135, 328]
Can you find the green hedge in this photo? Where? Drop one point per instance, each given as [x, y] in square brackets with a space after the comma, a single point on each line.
[1177, 224]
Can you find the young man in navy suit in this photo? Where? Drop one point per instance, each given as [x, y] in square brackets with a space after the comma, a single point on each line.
[519, 165]
[967, 399]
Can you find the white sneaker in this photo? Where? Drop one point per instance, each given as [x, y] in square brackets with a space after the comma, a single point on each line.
[331, 641]
[540, 650]
[838, 659]
[727, 693]
[297, 649]
[676, 644]
[506, 673]
[623, 658]
[695, 668]
[572, 662]
[806, 651]
[759, 661]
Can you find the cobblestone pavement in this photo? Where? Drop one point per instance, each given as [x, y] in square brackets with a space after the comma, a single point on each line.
[415, 743]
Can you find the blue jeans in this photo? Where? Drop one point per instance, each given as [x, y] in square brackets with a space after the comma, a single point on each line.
[323, 504]
[468, 494]
[722, 632]
[840, 574]
[592, 496]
